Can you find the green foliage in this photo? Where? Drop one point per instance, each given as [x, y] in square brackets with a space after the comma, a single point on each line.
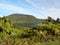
[46, 32]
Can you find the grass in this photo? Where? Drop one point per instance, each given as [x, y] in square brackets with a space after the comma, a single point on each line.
[57, 42]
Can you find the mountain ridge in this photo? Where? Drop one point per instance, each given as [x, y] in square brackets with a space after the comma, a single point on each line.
[23, 18]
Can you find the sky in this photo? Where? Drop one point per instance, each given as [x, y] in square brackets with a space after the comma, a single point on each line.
[38, 8]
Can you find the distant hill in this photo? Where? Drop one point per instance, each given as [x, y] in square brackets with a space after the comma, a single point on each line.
[23, 19]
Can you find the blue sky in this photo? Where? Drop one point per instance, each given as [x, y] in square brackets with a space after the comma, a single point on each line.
[37, 8]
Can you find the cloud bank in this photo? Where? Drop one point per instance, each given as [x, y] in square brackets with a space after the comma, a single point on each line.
[15, 9]
[47, 7]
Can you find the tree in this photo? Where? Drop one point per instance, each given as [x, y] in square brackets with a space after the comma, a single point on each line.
[57, 20]
[49, 19]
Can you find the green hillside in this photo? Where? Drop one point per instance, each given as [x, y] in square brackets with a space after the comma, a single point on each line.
[23, 18]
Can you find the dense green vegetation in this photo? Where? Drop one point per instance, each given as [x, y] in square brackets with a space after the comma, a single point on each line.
[48, 33]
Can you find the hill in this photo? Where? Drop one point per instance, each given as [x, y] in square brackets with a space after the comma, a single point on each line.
[24, 20]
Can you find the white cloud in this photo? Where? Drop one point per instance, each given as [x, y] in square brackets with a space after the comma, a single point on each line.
[15, 9]
[32, 3]
[48, 10]
[53, 12]
[12, 8]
